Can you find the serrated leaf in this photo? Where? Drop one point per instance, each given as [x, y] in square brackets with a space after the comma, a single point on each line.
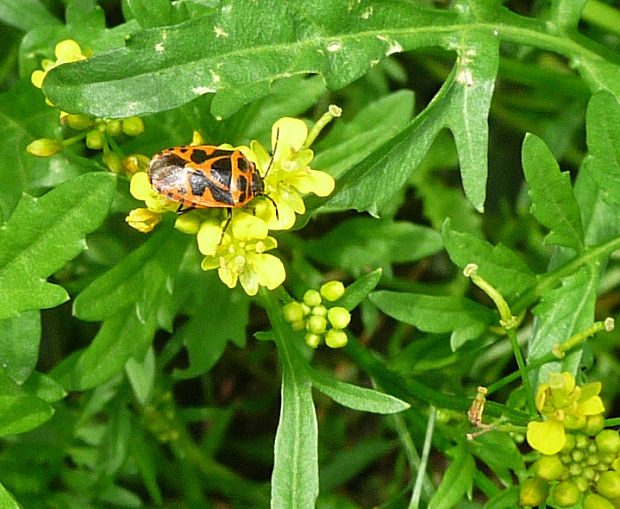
[43, 234]
[553, 201]
[603, 135]
[163, 68]
[26, 14]
[564, 311]
[19, 414]
[457, 481]
[357, 398]
[499, 265]
[19, 344]
[295, 477]
[357, 291]
[465, 319]
[364, 242]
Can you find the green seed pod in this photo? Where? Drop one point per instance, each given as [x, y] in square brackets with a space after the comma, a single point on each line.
[312, 298]
[566, 494]
[608, 484]
[608, 441]
[95, 139]
[312, 340]
[594, 424]
[316, 324]
[534, 491]
[112, 161]
[132, 126]
[594, 501]
[44, 147]
[113, 127]
[336, 338]
[339, 317]
[79, 122]
[549, 468]
[332, 290]
[293, 311]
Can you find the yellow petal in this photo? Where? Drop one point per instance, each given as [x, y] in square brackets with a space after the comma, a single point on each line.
[37, 78]
[249, 282]
[262, 156]
[209, 237]
[591, 389]
[270, 270]
[591, 406]
[287, 136]
[188, 223]
[143, 220]
[547, 437]
[313, 181]
[248, 227]
[228, 275]
[140, 186]
[541, 396]
[68, 51]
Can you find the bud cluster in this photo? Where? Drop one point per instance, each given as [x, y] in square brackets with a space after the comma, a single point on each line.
[320, 321]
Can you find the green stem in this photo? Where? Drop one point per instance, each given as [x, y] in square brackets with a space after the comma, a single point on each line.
[428, 438]
[602, 15]
[326, 118]
[512, 335]
[74, 139]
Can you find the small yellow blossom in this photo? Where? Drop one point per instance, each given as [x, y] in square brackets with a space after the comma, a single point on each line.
[143, 220]
[140, 188]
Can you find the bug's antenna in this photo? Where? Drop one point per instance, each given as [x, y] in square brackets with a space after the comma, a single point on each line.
[275, 148]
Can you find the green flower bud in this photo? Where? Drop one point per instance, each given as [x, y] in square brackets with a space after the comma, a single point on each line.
[312, 340]
[592, 460]
[133, 126]
[608, 440]
[339, 317]
[577, 455]
[113, 127]
[312, 298]
[300, 325]
[316, 324]
[549, 468]
[79, 122]
[589, 473]
[594, 424]
[581, 441]
[533, 492]
[570, 443]
[135, 163]
[112, 161]
[606, 458]
[293, 312]
[307, 309]
[575, 469]
[594, 501]
[319, 311]
[591, 449]
[44, 147]
[582, 484]
[615, 464]
[566, 494]
[95, 139]
[336, 338]
[332, 290]
[608, 484]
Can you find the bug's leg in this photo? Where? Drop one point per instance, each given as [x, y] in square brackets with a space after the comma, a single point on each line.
[274, 204]
[228, 220]
[181, 210]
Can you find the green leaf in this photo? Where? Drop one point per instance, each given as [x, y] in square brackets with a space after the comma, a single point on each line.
[357, 291]
[465, 319]
[499, 451]
[141, 376]
[564, 311]
[566, 13]
[166, 67]
[364, 242]
[295, 478]
[7, 501]
[357, 398]
[19, 344]
[499, 265]
[506, 499]
[603, 160]
[43, 234]
[19, 414]
[43, 387]
[457, 481]
[151, 13]
[553, 201]
[26, 14]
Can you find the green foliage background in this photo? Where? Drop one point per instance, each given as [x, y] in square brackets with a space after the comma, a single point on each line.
[130, 378]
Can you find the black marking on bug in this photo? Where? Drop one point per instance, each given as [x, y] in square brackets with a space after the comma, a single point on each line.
[198, 182]
[183, 148]
[172, 160]
[242, 182]
[242, 162]
[220, 195]
[198, 156]
[221, 152]
[170, 194]
[221, 171]
[242, 197]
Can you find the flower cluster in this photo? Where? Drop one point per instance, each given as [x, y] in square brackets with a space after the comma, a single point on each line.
[238, 248]
[580, 460]
[319, 321]
[98, 133]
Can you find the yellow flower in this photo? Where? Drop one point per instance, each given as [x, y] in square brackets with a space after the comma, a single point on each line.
[140, 188]
[241, 256]
[289, 174]
[143, 220]
[565, 406]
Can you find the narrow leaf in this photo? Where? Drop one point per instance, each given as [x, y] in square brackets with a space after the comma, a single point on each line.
[357, 291]
[457, 481]
[603, 134]
[358, 398]
[553, 201]
[19, 414]
[26, 14]
[465, 319]
[43, 234]
[499, 265]
[19, 344]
